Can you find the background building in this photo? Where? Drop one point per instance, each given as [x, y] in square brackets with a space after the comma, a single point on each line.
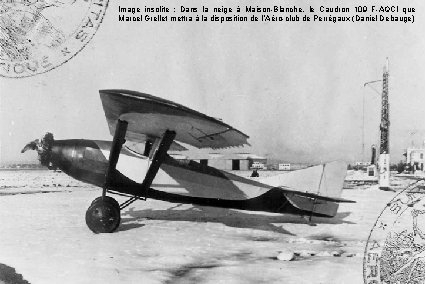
[415, 158]
[224, 161]
[284, 167]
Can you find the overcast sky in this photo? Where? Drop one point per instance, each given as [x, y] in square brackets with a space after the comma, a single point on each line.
[295, 88]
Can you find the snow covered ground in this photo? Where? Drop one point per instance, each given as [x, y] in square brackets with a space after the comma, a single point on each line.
[45, 239]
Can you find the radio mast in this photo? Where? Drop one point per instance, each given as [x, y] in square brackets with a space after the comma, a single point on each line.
[384, 157]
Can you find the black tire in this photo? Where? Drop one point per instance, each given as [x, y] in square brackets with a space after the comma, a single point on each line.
[103, 216]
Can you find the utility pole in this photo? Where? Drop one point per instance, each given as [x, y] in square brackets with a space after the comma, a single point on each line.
[383, 164]
[363, 116]
[384, 157]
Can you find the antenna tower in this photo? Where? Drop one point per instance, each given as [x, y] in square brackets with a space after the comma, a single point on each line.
[384, 157]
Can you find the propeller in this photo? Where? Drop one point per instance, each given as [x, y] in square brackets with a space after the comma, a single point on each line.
[43, 148]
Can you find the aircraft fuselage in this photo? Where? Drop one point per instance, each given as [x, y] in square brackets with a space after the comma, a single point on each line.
[177, 181]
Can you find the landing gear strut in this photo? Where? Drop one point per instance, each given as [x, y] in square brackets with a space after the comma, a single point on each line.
[103, 215]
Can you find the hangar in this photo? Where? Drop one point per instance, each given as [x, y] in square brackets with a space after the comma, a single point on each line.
[223, 161]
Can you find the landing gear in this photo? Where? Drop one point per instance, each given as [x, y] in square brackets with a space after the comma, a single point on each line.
[103, 215]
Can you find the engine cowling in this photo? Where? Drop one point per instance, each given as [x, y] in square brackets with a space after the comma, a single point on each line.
[81, 159]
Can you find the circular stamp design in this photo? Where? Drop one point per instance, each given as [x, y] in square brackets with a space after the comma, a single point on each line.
[37, 36]
[395, 248]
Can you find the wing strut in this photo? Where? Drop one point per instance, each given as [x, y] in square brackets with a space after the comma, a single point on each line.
[158, 158]
[117, 144]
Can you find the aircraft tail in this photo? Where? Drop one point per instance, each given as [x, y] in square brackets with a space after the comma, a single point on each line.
[323, 180]
[315, 189]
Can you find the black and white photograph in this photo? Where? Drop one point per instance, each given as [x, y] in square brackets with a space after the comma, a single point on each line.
[212, 142]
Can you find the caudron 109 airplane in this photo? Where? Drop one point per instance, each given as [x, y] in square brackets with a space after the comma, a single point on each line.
[158, 125]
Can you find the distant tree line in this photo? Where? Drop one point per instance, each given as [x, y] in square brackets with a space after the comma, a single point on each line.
[23, 166]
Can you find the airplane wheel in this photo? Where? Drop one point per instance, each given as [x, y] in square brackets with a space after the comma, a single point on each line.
[103, 216]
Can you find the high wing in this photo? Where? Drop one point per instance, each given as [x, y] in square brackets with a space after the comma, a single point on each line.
[149, 117]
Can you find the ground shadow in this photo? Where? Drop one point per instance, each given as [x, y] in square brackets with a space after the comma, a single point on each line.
[233, 218]
[8, 275]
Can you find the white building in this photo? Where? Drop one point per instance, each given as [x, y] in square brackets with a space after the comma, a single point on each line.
[415, 158]
[258, 166]
[284, 167]
[363, 164]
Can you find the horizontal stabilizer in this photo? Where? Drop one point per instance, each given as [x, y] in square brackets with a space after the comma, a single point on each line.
[318, 197]
[149, 117]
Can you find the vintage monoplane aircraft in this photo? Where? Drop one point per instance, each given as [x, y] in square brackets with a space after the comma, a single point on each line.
[158, 125]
